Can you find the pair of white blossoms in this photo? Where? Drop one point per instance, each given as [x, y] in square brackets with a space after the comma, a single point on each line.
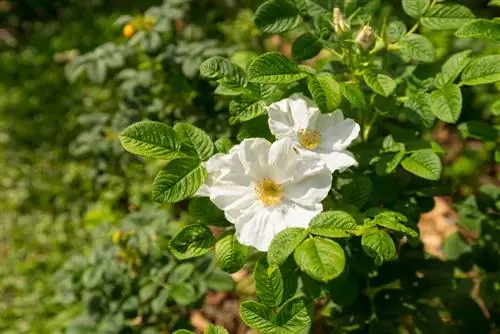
[264, 188]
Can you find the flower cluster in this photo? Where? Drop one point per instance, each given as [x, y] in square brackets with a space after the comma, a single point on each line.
[265, 187]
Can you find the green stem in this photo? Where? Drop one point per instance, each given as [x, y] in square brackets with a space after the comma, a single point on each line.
[368, 128]
[412, 30]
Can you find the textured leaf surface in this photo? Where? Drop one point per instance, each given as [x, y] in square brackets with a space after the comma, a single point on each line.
[274, 68]
[325, 91]
[353, 94]
[306, 46]
[446, 103]
[284, 243]
[322, 259]
[424, 163]
[268, 283]
[293, 316]
[258, 316]
[358, 192]
[230, 254]
[215, 329]
[220, 68]
[244, 109]
[379, 245]
[419, 48]
[444, 17]
[195, 140]
[480, 29]
[379, 83]
[482, 70]
[275, 16]
[151, 139]
[192, 241]
[179, 180]
[332, 224]
[415, 8]
[452, 68]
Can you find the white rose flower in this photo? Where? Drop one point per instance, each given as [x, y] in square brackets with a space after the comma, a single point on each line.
[313, 133]
[264, 188]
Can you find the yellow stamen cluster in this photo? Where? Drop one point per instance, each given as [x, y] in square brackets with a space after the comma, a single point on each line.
[309, 139]
[269, 192]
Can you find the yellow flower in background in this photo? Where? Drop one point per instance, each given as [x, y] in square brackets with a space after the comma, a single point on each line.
[128, 30]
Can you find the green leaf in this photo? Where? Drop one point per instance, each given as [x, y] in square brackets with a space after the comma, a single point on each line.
[393, 224]
[452, 68]
[268, 283]
[481, 71]
[379, 245]
[258, 316]
[181, 273]
[284, 243]
[275, 16]
[245, 108]
[478, 130]
[353, 94]
[223, 70]
[424, 163]
[454, 247]
[192, 241]
[151, 139]
[306, 46]
[147, 292]
[395, 30]
[443, 17]
[274, 68]
[446, 103]
[332, 224]
[379, 83]
[195, 140]
[202, 210]
[183, 294]
[358, 192]
[415, 8]
[420, 103]
[220, 281]
[215, 329]
[293, 316]
[179, 180]
[320, 258]
[223, 145]
[488, 30]
[158, 304]
[183, 331]
[418, 48]
[325, 91]
[230, 254]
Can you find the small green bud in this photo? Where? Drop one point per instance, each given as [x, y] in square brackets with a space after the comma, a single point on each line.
[340, 25]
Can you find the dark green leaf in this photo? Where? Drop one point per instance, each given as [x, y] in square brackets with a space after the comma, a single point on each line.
[325, 91]
[305, 47]
[231, 255]
[195, 140]
[274, 68]
[192, 241]
[275, 16]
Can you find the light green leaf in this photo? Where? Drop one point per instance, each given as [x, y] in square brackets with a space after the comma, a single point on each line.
[258, 316]
[478, 130]
[392, 224]
[215, 329]
[395, 30]
[452, 68]
[415, 8]
[151, 139]
[244, 109]
[284, 243]
[325, 91]
[455, 246]
[306, 46]
[195, 140]
[192, 241]
[220, 281]
[332, 224]
[443, 17]
[293, 316]
[379, 245]
[420, 103]
[322, 259]
[268, 283]
[223, 70]
[425, 164]
[275, 16]
[353, 94]
[446, 103]
[480, 29]
[482, 70]
[179, 180]
[183, 331]
[379, 83]
[183, 294]
[274, 68]
[418, 48]
[358, 192]
[181, 273]
[223, 145]
[230, 254]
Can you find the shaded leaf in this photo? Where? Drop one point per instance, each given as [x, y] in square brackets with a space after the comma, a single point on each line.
[192, 241]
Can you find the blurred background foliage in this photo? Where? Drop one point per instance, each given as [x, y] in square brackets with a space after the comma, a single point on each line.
[80, 242]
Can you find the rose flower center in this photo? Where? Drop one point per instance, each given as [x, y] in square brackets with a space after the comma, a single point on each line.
[309, 139]
[269, 192]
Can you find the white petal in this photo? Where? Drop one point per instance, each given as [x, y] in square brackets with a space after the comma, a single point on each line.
[326, 122]
[258, 226]
[203, 191]
[311, 184]
[298, 215]
[232, 199]
[338, 160]
[340, 136]
[253, 155]
[280, 120]
[282, 158]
